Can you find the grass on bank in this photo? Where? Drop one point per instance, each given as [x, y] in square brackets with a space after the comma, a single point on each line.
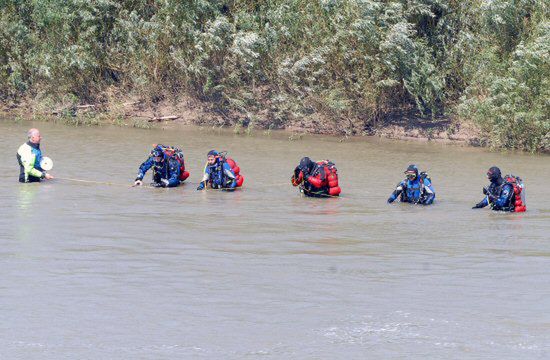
[353, 63]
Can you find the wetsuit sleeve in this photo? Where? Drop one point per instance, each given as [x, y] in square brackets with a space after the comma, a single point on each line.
[429, 192]
[206, 175]
[144, 167]
[297, 172]
[504, 199]
[230, 176]
[314, 180]
[398, 190]
[28, 159]
[482, 203]
[174, 171]
[297, 177]
[228, 172]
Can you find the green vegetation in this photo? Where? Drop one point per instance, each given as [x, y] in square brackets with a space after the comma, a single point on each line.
[361, 60]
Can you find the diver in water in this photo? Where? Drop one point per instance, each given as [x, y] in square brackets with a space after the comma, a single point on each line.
[218, 173]
[167, 170]
[503, 193]
[316, 179]
[417, 188]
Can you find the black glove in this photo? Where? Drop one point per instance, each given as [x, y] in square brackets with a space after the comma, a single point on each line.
[156, 185]
[485, 191]
[297, 172]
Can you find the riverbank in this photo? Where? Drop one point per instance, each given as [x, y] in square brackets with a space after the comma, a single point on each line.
[347, 68]
[135, 112]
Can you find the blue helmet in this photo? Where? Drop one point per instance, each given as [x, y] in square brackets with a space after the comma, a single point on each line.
[412, 169]
[157, 152]
[216, 156]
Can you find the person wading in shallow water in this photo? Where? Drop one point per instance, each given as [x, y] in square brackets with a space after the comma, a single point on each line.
[220, 172]
[29, 157]
[168, 167]
[417, 188]
[503, 193]
[316, 179]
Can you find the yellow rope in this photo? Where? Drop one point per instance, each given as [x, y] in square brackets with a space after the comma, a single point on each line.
[222, 189]
[93, 182]
[206, 187]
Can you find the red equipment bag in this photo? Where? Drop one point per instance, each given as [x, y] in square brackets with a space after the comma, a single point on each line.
[236, 170]
[519, 192]
[331, 177]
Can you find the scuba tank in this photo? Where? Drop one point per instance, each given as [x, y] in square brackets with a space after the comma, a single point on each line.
[239, 179]
[518, 202]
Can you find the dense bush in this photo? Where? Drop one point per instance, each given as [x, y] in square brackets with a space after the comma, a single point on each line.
[485, 60]
[509, 88]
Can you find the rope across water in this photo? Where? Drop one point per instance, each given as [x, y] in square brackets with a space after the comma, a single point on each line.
[108, 183]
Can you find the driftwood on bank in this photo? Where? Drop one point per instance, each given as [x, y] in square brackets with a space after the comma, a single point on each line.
[162, 118]
[131, 103]
[87, 106]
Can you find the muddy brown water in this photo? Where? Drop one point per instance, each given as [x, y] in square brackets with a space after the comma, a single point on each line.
[96, 271]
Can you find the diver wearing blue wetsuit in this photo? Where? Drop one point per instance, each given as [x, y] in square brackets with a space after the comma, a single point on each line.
[416, 188]
[217, 173]
[166, 170]
[499, 194]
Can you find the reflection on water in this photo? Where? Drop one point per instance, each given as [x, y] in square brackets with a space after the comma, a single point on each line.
[26, 197]
[101, 271]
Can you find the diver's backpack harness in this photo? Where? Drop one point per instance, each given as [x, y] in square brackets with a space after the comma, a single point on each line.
[328, 168]
[421, 176]
[239, 179]
[324, 179]
[175, 153]
[517, 203]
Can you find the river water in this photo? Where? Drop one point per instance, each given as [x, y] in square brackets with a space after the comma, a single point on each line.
[106, 271]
